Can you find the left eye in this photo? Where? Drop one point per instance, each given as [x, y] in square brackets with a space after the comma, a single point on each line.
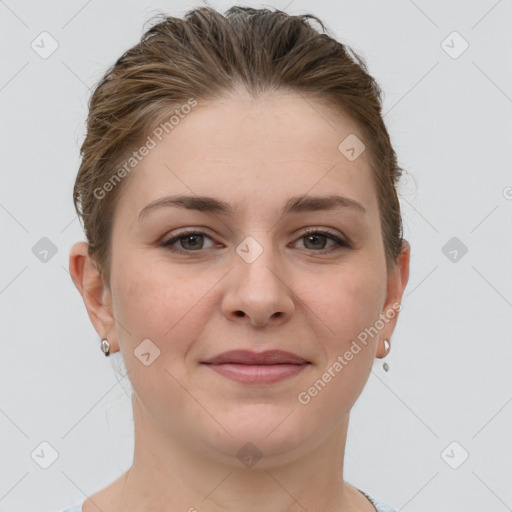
[192, 241]
[314, 236]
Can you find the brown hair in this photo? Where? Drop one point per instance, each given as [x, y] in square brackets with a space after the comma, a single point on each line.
[202, 56]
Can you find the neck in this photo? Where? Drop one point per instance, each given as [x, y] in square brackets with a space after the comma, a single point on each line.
[167, 475]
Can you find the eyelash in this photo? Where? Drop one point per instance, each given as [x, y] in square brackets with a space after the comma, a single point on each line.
[308, 232]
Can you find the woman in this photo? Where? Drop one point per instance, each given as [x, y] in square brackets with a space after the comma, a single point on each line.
[244, 254]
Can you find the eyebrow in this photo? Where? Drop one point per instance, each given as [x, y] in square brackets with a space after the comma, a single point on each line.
[296, 204]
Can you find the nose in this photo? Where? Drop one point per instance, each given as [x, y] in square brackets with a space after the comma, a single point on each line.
[257, 292]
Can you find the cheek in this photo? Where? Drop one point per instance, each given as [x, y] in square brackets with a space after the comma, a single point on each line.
[168, 307]
[345, 302]
[158, 305]
[140, 301]
[351, 310]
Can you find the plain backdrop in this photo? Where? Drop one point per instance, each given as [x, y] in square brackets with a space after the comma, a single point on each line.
[434, 432]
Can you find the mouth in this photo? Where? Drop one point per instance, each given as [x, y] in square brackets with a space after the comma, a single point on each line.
[249, 367]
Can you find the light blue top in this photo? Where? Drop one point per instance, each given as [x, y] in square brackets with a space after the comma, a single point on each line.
[377, 504]
[75, 508]
[381, 507]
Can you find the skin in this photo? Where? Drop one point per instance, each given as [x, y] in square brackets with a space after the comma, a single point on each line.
[190, 421]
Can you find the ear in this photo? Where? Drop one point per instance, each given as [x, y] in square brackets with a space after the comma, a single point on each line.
[95, 294]
[397, 281]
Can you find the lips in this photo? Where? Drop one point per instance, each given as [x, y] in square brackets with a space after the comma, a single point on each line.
[269, 357]
[248, 367]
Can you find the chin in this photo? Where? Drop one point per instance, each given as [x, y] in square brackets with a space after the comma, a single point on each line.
[264, 432]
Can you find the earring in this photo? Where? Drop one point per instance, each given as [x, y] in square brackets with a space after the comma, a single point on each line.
[386, 346]
[105, 346]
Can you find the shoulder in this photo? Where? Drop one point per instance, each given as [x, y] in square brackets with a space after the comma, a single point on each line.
[381, 507]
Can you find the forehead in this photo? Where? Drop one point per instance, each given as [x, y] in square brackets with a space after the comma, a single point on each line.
[258, 129]
[245, 150]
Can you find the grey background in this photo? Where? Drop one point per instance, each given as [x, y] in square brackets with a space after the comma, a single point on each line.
[449, 375]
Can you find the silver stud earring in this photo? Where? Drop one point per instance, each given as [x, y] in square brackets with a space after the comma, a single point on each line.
[386, 345]
[105, 346]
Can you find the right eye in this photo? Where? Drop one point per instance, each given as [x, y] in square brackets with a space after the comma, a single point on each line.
[190, 241]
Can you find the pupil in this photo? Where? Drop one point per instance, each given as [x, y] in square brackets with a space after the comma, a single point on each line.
[189, 237]
[314, 237]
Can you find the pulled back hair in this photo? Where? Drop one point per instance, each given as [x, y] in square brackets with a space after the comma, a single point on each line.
[203, 56]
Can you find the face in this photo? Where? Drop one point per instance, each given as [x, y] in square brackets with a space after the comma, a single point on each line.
[244, 270]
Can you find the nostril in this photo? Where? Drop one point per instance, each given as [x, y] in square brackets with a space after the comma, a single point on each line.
[240, 313]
